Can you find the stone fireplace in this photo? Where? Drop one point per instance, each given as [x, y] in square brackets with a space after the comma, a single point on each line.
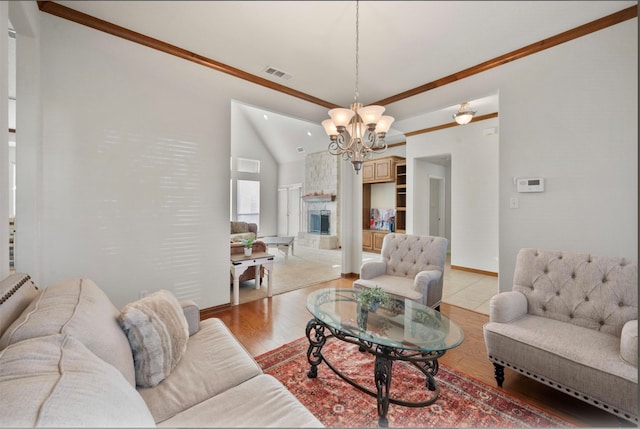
[320, 208]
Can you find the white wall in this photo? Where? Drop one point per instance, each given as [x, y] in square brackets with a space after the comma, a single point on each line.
[383, 195]
[573, 120]
[291, 173]
[4, 142]
[474, 190]
[135, 166]
[11, 180]
[568, 114]
[129, 157]
[246, 143]
[25, 19]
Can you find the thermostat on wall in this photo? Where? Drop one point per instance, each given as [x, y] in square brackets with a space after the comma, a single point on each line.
[534, 184]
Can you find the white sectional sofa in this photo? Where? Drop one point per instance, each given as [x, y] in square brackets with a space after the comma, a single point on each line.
[66, 359]
[571, 322]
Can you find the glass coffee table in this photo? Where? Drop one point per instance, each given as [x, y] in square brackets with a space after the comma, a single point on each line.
[403, 330]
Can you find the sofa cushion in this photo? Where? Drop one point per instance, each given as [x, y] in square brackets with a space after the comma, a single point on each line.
[238, 238]
[16, 293]
[395, 285]
[629, 342]
[56, 381]
[260, 402]
[214, 362]
[239, 227]
[77, 307]
[158, 332]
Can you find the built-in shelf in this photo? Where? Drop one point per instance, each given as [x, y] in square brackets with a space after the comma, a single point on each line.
[318, 198]
[401, 196]
[376, 171]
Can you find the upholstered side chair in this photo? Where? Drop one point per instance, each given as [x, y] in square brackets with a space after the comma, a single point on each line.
[412, 266]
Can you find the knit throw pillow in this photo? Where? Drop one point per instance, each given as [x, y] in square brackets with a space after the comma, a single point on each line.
[158, 332]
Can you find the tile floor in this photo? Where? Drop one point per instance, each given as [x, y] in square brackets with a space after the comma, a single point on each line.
[462, 288]
[468, 290]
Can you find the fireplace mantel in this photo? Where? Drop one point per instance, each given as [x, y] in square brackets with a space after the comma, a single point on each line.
[318, 198]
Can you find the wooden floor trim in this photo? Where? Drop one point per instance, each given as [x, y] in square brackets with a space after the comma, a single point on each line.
[473, 270]
[208, 312]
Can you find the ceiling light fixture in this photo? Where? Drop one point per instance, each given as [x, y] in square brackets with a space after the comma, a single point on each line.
[360, 130]
[464, 115]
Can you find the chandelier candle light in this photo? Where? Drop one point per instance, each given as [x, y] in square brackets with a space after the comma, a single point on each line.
[360, 130]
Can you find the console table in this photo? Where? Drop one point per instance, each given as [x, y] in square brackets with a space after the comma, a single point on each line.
[240, 263]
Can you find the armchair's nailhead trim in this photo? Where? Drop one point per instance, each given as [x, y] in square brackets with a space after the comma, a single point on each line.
[14, 289]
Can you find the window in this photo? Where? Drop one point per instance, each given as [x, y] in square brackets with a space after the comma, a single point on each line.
[248, 201]
[248, 165]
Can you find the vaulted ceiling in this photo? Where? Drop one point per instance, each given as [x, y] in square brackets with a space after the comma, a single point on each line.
[402, 44]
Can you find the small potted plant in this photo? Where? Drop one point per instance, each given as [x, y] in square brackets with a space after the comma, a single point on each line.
[248, 245]
[371, 298]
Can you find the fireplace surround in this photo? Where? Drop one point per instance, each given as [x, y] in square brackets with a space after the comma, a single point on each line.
[320, 203]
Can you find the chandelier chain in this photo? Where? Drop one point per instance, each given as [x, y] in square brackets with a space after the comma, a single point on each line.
[355, 96]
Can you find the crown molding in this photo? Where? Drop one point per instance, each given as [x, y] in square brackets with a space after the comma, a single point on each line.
[115, 30]
[449, 125]
[583, 30]
[61, 11]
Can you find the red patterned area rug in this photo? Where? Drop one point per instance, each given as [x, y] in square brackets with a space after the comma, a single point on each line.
[463, 401]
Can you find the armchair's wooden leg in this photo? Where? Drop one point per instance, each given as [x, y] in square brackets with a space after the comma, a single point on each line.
[498, 371]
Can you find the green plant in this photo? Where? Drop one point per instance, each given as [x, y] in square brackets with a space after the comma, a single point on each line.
[370, 298]
[248, 242]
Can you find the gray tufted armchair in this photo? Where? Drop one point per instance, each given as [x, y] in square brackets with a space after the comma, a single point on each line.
[412, 266]
[570, 321]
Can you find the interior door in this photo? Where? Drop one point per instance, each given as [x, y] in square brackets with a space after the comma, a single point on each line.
[289, 210]
[294, 211]
[283, 210]
[436, 217]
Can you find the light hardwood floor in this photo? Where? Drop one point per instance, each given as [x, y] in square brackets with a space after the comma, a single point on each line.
[269, 323]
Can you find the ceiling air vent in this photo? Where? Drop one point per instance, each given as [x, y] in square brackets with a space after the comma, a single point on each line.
[277, 73]
[300, 149]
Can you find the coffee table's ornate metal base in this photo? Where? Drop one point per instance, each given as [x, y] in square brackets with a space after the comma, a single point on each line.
[384, 357]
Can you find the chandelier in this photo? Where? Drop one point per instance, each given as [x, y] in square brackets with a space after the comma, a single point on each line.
[357, 132]
[464, 114]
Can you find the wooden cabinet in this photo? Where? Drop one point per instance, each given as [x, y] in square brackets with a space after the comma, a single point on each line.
[377, 238]
[372, 240]
[367, 240]
[401, 196]
[380, 170]
[368, 172]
